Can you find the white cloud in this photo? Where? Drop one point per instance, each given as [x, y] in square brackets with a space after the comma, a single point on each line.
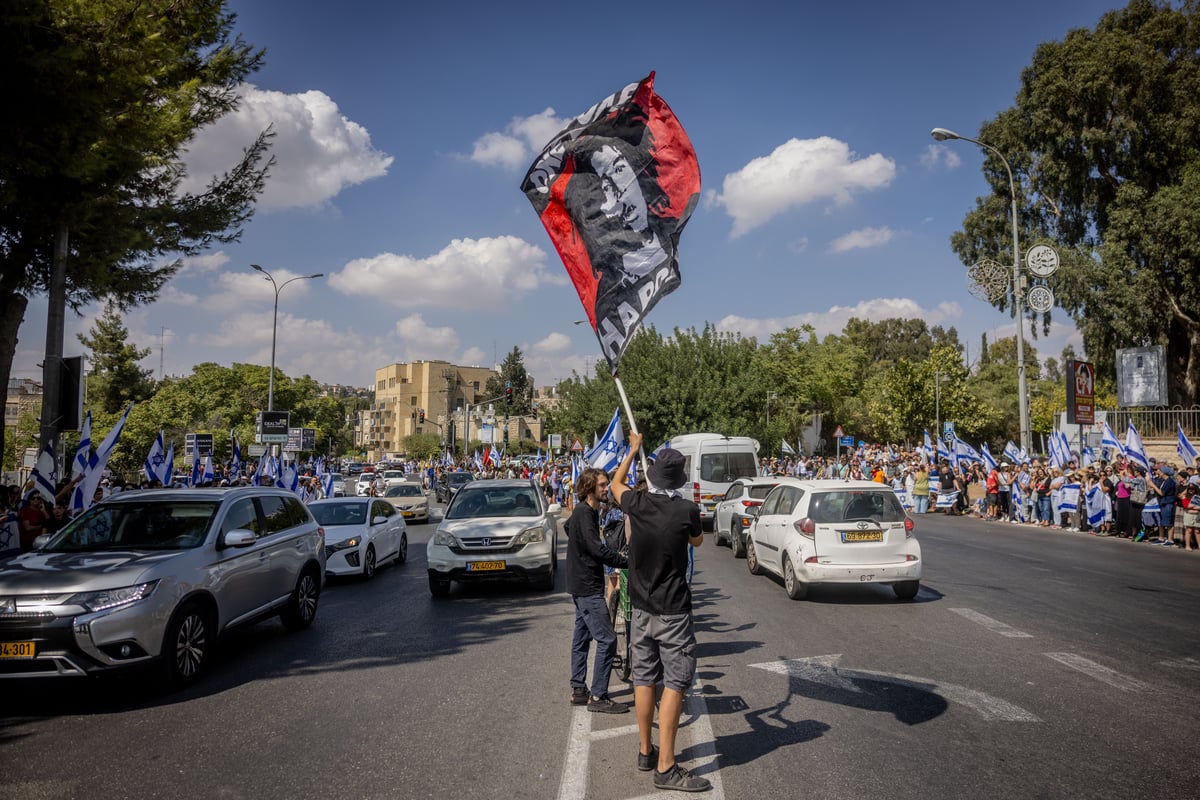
[175, 296]
[474, 356]
[554, 343]
[835, 318]
[246, 288]
[799, 171]
[466, 274]
[798, 245]
[939, 154]
[318, 152]
[430, 341]
[861, 238]
[521, 139]
[204, 263]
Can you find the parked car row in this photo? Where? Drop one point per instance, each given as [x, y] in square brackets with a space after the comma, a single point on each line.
[819, 532]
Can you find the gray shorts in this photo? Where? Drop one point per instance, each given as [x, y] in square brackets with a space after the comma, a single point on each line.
[664, 649]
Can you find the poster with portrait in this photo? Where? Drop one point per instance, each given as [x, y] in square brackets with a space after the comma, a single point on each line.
[614, 190]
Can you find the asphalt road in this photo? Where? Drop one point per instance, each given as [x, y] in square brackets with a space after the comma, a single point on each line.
[1033, 664]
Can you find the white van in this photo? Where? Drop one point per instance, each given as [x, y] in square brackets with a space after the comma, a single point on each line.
[712, 462]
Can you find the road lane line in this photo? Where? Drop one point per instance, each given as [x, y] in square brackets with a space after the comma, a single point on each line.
[575, 766]
[612, 733]
[1185, 663]
[1100, 672]
[993, 625]
[700, 733]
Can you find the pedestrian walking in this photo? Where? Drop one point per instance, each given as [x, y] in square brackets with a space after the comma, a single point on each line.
[662, 638]
[587, 555]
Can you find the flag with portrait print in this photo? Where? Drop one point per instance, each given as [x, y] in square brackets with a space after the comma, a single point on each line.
[614, 190]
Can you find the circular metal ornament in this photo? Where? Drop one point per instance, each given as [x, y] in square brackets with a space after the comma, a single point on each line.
[988, 280]
[1041, 299]
[1042, 260]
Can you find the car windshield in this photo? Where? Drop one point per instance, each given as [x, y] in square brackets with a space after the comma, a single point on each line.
[393, 475]
[761, 492]
[721, 467]
[148, 525]
[852, 504]
[404, 490]
[332, 514]
[518, 501]
[460, 477]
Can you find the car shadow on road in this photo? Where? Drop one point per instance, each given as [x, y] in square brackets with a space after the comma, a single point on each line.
[858, 594]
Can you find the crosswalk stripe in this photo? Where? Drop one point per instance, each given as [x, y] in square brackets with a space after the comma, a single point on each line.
[1100, 672]
[993, 625]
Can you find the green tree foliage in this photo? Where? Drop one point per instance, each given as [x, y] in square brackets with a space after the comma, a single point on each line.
[512, 370]
[889, 340]
[115, 379]
[1104, 141]
[422, 446]
[104, 96]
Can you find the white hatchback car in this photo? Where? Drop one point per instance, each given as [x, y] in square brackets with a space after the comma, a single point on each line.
[832, 531]
[360, 533]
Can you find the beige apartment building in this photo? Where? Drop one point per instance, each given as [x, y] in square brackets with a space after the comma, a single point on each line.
[443, 391]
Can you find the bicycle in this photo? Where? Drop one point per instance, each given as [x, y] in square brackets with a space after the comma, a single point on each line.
[620, 613]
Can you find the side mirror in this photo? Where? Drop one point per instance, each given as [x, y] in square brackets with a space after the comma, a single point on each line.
[555, 509]
[41, 541]
[378, 519]
[239, 537]
[437, 514]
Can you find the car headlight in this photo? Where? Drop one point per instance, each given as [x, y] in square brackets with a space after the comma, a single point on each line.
[531, 535]
[113, 598]
[445, 539]
[353, 541]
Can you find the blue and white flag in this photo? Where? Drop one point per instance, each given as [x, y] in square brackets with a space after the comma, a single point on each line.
[1018, 499]
[947, 499]
[1058, 458]
[989, 461]
[1151, 513]
[927, 449]
[327, 484]
[289, 479]
[235, 466]
[575, 470]
[1070, 497]
[206, 472]
[83, 454]
[666, 443]
[44, 475]
[1099, 506]
[1087, 457]
[1109, 441]
[155, 461]
[100, 460]
[607, 452]
[786, 449]
[10, 534]
[1013, 453]
[1134, 451]
[168, 472]
[905, 500]
[964, 452]
[1185, 449]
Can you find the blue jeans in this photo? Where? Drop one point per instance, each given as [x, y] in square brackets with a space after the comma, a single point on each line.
[920, 503]
[592, 624]
[1043, 504]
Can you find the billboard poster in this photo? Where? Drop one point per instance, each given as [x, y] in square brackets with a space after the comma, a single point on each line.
[1081, 392]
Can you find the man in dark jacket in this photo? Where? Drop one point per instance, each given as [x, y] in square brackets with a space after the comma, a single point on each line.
[587, 556]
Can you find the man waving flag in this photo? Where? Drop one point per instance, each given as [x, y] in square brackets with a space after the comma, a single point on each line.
[614, 190]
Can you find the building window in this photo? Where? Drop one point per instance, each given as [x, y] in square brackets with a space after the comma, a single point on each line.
[475, 384]
[412, 401]
[391, 382]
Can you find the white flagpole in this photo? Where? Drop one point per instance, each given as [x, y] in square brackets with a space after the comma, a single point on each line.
[632, 423]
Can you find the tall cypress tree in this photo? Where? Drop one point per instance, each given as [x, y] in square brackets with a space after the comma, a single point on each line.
[115, 378]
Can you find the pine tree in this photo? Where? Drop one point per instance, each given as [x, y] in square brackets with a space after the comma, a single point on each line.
[115, 377]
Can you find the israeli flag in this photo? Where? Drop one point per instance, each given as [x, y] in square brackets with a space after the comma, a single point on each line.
[1013, 453]
[1099, 506]
[1134, 451]
[206, 472]
[905, 500]
[1088, 457]
[83, 455]
[786, 449]
[155, 460]
[168, 473]
[927, 449]
[607, 452]
[653, 456]
[1057, 457]
[100, 460]
[1185, 449]
[1018, 500]
[289, 479]
[1151, 513]
[194, 478]
[1109, 440]
[10, 534]
[1070, 497]
[575, 470]
[947, 499]
[235, 466]
[327, 483]
[43, 475]
[989, 460]
[964, 452]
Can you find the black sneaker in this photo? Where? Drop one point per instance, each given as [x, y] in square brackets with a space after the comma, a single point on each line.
[648, 762]
[606, 705]
[680, 779]
[579, 696]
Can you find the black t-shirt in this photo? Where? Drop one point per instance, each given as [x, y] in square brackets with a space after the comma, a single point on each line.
[658, 540]
[587, 554]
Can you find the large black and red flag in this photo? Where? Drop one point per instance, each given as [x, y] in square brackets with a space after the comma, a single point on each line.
[614, 189]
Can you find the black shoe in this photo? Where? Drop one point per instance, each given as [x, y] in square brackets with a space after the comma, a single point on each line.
[680, 779]
[648, 762]
[579, 696]
[606, 705]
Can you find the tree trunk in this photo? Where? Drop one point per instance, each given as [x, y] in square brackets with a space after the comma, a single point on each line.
[12, 314]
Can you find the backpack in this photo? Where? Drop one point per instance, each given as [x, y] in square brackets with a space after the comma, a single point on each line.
[1138, 493]
[613, 533]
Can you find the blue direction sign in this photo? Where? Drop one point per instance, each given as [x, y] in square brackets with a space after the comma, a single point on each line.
[846, 441]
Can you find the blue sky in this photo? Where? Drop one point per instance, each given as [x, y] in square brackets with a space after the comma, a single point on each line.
[404, 130]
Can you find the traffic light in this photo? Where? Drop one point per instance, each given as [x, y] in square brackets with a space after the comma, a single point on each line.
[506, 435]
[421, 415]
[508, 394]
[535, 410]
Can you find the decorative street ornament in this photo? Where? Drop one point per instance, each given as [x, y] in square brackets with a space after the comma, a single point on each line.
[1042, 261]
[988, 280]
[1040, 298]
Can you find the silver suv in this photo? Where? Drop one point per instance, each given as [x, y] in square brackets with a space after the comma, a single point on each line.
[158, 575]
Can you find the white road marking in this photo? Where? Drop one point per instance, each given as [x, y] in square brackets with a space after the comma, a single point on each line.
[1100, 672]
[1181, 663]
[987, 706]
[696, 734]
[993, 625]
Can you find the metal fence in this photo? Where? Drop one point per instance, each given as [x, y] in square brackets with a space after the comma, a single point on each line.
[1156, 423]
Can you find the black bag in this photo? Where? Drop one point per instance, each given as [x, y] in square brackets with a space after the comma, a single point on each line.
[614, 536]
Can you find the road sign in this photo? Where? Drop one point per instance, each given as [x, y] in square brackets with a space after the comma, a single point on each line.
[576, 446]
[301, 439]
[846, 441]
[201, 442]
[948, 432]
[272, 427]
[839, 433]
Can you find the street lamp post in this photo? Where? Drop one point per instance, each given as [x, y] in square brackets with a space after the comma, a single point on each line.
[275, 324]
[942, 134]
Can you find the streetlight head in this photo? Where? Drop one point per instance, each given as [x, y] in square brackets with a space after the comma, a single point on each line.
[318, 275]
[942, 134]
[257, 267]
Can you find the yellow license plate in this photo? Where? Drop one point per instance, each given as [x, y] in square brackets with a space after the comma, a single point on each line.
[862, 536]
[17, 650]
[484, 566]
[406, 514]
